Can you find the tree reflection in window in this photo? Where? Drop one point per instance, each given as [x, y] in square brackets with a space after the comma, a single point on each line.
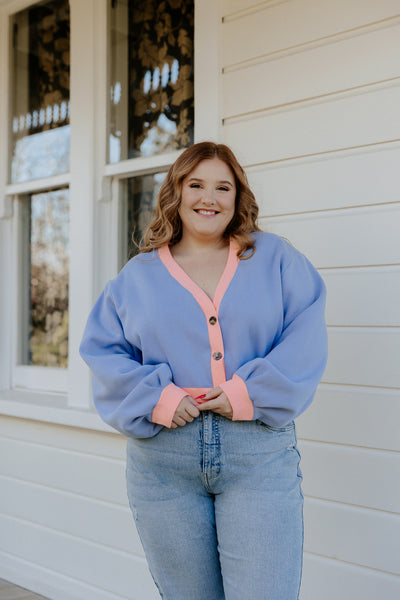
[152, 103]
[141, 193]
[49, 274]
[40, 103]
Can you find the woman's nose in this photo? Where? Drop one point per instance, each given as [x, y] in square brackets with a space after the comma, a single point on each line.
[208, 197]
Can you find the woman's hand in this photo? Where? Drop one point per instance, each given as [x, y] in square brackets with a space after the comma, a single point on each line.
[217, 401]
[187, 410]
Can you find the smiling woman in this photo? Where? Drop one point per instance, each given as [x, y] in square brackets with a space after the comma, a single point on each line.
[204, 349]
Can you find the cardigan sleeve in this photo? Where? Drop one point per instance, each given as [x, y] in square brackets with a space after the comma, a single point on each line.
[278, 387]
[135, 399]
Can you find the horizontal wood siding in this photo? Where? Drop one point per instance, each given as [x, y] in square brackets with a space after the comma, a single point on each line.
[353, 534]
[335, 122]
[371, 480]
[332, 579]
[314, 72]
[363, 296]
[349, 415]
[274, 26]
[331, 181]
[344, 238]
[63, 508]
[311, 90]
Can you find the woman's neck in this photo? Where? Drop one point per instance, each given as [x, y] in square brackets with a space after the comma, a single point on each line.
[196, 246]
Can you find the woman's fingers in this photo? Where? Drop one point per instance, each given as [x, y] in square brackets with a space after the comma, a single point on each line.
[214, 393]
[186, 411]
[220, 405]
[192, 410]
[180, 421]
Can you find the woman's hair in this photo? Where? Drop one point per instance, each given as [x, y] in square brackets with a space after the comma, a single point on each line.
[166, 226]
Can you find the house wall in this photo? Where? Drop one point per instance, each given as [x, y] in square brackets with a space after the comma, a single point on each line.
[309, 102]
[310, 105]
[66, 529]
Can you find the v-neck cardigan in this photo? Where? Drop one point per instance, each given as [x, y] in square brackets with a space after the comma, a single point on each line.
[154, 336]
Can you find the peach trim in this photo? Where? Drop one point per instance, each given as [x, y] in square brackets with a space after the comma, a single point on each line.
[166, 406]
[183, 278]
[242, 406]
[209, 307]
[180, 275]
[227, 275]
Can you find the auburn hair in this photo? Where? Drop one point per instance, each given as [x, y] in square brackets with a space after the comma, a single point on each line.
[166, 225]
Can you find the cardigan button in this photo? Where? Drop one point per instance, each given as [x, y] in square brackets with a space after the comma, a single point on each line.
[217, 356]
[212, 320]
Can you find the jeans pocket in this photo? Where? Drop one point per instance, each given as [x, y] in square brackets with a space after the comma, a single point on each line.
[288, 427]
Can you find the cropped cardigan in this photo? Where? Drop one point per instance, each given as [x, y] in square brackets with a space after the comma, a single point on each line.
[154, 336]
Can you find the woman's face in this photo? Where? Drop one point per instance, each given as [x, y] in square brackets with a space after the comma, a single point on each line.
[208, 201]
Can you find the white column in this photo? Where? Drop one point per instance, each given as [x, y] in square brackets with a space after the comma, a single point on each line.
[88, 98]
[207, 71]
[5, 212]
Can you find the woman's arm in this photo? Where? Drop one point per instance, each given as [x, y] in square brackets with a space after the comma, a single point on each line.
[133, 398]
[278, 387]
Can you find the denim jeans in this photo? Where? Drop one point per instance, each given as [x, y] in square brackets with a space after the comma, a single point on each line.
[219, 509]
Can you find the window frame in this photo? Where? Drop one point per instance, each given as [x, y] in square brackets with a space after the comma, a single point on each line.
[95, 201]
[36, 378]
[24, 377]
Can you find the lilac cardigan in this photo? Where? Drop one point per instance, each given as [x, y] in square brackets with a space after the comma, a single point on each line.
[154, 336]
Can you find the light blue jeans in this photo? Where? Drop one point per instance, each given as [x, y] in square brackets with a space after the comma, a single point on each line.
[219, 509]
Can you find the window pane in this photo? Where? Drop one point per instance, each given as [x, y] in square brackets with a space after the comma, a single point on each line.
[152, 90]
[141, 198]
[48, 273]
[40, 103]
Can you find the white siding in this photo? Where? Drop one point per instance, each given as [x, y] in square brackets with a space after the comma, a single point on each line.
[311, 90]
[64, 514]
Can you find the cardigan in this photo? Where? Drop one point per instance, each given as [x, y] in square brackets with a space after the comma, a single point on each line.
[154, 336]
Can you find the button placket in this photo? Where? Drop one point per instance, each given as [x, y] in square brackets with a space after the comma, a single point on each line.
[216, 345]
[209, 307]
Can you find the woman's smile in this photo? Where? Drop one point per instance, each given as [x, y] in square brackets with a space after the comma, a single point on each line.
[205, 212]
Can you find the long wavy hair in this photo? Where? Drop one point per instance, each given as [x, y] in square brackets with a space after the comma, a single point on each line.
[166, 226]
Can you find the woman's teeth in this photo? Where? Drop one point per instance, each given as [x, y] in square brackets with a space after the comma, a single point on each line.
[207, 212]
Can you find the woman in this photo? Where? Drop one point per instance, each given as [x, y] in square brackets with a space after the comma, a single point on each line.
[204, 349]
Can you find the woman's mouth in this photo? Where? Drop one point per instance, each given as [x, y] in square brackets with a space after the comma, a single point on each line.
[206, 212]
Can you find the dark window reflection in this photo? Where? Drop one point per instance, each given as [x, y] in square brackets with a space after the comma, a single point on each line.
[40, 104]
[141, 196]
[49, 272]
[152, 82]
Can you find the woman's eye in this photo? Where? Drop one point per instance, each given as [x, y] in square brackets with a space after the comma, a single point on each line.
[224, 189]
[194, 185]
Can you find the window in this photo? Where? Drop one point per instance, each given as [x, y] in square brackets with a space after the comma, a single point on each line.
[152, 77]
[40, 92]
[151, 103]
[44, 279]
[40, 152]
[139, 201]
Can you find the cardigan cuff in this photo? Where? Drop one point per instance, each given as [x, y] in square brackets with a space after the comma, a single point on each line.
[242, 406]
[165, 408]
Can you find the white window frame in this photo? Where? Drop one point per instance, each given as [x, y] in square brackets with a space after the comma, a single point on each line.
[58, 395]
[27, 377]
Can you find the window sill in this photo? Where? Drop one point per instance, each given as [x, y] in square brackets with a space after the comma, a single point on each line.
[49, 408]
